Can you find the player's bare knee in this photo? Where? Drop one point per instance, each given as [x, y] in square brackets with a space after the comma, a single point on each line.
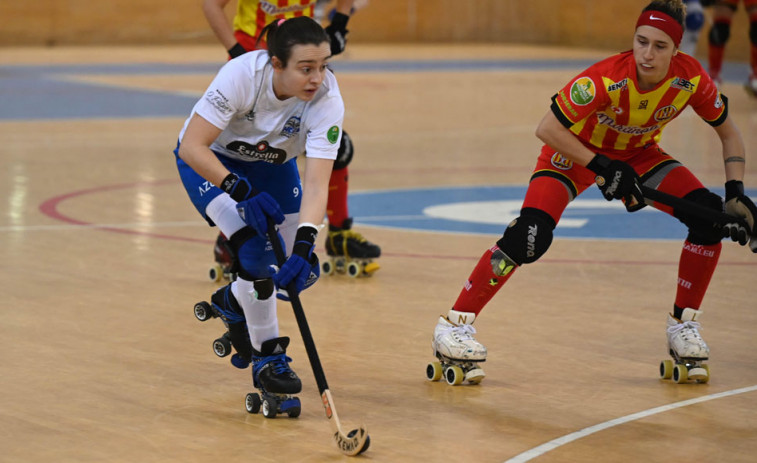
[528, 237]
[701, 231]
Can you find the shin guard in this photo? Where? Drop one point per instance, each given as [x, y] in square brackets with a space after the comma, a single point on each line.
[337, 211]
[492, 271]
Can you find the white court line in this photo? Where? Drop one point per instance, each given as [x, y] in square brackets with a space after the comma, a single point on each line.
[136, 225]
[560, 441]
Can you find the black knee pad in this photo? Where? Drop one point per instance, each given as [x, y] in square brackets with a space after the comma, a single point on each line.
[240, 339]
[720, 33]
[528, 237]
[345, 152]
[233, 245]
[702, 231]
[753, 32]
[264, 288]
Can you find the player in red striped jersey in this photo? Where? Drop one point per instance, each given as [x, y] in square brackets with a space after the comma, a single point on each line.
[604, 126]
[720, 32]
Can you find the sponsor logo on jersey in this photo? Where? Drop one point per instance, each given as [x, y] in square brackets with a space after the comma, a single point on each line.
[561, 162]
[333, 134]
[272, 9]
[682, 84]
[292, 127]
[618, 85]
[582, 92]
[566, 104]
[643, 104]
[663, 114]
[604, 119]
[218, 100]
[261, 151]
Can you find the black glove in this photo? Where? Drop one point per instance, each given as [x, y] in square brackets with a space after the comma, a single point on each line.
[618, 180]
[739, 205]
[236, 50]
[337, 31]
[706, 3]
[238, 188]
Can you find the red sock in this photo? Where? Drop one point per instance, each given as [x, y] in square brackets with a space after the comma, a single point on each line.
[695, 270]
[336, 208]
[483, 283]
[715, 56]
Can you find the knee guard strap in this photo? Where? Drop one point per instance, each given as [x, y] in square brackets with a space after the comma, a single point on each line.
[702, 232]
[528, 237]
[344, 153]
[720, 32]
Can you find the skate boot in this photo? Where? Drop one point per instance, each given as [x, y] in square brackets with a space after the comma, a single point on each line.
[224, 268]
[456, 349]
[349, 252]
[224, 305]
[687, 348]
[276, 381]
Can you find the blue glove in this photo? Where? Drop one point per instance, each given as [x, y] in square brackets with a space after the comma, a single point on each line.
[302, 267]
[256, 210]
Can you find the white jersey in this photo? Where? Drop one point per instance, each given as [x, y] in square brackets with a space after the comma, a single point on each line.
[257, 126]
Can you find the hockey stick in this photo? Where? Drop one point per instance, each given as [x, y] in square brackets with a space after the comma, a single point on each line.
[356, 441]
[721, 218]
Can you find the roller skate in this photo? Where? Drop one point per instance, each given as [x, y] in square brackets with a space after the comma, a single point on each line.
[223, 305]
[688, 350]
[349, 252]
[224, 268]
[276, 381]
[457, 351]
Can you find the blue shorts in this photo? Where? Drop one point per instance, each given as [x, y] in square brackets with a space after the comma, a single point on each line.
[280, 181]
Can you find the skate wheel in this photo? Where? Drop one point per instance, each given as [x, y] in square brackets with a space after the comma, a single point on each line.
[700, 373]
[370, 268]
[203, 311]
[680, 374]
[666, 369]
[222, 345]
[434, 371]
[454, 375]
[367, 441]
[353, 269]
[252, 402]
[327, 267]
[269, 407]
[706, 379]
[215, 273]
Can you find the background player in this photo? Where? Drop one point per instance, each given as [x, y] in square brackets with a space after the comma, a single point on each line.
[607, 122]
[720, 32]
[251, 16]
[695, 20]
[237, 160]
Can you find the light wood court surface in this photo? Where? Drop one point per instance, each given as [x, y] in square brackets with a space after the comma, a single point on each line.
[103, 258]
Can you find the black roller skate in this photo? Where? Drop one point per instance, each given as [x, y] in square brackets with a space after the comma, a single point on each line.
[224, 267]
[349, 252]
[276, 381]
[224, 306]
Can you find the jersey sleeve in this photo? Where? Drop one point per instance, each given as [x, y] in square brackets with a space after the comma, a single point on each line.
[324, 131]
[584, 95]
[708, 102]
[225, 95]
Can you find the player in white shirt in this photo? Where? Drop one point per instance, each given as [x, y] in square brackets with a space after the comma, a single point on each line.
[237, 160]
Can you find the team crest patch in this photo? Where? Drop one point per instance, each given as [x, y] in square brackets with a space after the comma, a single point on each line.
[583, 91]
[663, 114]
[561, 162]
[333, 134]
[292, 127]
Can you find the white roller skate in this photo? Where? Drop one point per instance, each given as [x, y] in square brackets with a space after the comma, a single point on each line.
[687, 348]
[456, 349]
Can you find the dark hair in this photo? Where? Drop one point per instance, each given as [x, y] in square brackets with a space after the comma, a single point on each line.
[673, 8]
[282, 35]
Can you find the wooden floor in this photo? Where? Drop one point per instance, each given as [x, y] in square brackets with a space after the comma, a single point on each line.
[103, 258]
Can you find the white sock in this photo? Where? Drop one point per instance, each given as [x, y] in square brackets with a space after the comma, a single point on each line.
[262, 322]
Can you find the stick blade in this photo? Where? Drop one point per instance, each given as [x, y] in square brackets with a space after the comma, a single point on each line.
[354, 443]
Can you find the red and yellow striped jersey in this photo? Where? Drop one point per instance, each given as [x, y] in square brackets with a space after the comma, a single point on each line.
[608, 112]
[253, 15]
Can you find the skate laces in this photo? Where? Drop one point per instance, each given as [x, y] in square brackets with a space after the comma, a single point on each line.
[461, 333]
[688, 329]
[279, 363]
